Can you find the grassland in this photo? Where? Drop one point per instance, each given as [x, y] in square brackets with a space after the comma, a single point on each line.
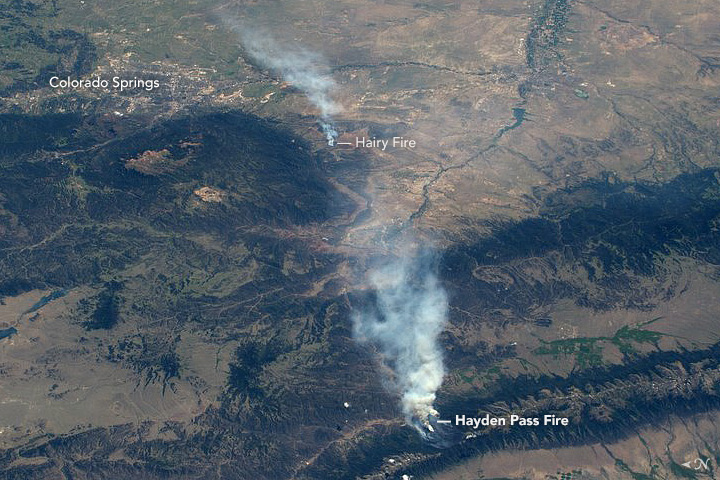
[566, 168]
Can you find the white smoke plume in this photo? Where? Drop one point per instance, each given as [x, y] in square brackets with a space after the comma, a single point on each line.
[410, 312]
[302, 68]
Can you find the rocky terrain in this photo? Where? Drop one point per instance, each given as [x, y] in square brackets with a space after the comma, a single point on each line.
[179, 267]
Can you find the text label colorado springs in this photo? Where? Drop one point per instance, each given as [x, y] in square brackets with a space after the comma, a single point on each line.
[117, 83]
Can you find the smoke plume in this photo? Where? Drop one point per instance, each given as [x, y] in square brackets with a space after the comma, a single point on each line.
[298, 66]
[409, 313]
[410, 306]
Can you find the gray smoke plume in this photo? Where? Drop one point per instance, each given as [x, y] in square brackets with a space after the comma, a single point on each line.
[302, 68]
[409, 313]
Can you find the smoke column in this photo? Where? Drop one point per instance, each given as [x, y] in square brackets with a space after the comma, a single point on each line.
[409, 313]
[299, 67]
[411, 306]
